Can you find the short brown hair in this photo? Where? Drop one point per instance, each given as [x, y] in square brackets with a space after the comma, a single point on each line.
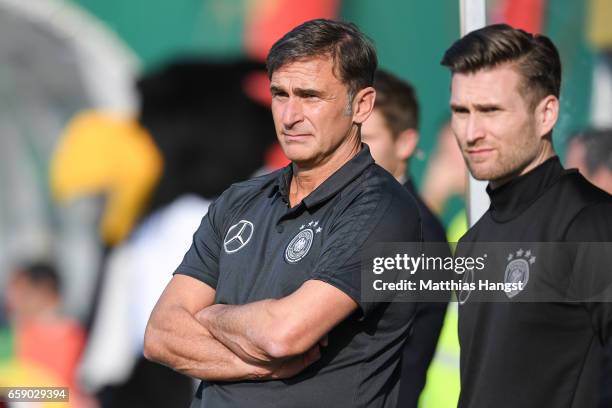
[535, 56]
[396, 100]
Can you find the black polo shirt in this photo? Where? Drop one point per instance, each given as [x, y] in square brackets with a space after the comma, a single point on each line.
[252, 246]
[545, 354]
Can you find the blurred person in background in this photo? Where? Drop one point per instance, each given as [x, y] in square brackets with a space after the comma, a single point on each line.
[590, 152]
[446, 175]
[33, 293]
[445, 184]
[443, 190]
[392, 134]
[47, 345]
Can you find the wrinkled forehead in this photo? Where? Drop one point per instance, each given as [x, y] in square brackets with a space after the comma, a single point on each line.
[311, 70]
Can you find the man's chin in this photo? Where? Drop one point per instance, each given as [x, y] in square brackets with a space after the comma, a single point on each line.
[481, 173]
[495, 178]
[304, 163]
[298, 155]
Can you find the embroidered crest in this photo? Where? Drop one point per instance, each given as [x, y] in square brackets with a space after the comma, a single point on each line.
[517, 270]
[299, 246]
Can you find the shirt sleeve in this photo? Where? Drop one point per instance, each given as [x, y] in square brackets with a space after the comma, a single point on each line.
[202, 259]
[373, 217]
[591, 232]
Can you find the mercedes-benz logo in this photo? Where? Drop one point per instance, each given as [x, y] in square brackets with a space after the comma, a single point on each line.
[238, 236]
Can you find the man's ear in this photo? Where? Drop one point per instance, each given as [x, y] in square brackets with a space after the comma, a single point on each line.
[547, 113]
[363, 104]
[406, 143]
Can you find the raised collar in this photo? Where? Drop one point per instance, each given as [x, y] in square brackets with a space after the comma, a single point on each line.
[511, 199]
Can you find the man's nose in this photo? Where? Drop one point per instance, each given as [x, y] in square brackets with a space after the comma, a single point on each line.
[475, 129]
[293, 113]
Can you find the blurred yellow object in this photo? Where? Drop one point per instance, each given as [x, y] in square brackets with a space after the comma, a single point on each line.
[443, 384]
[14, 373]
[599, 24]
[457, 227]
[101, 152]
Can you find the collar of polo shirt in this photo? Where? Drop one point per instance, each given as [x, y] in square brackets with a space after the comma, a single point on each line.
[333, 184]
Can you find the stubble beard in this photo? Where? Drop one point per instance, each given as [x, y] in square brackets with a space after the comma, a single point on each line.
[502, 169]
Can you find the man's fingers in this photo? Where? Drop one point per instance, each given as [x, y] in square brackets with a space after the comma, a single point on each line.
[324, 341]
[297, 364]
[312, 355]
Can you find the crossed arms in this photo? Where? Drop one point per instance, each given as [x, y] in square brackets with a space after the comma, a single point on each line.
[268, 339]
